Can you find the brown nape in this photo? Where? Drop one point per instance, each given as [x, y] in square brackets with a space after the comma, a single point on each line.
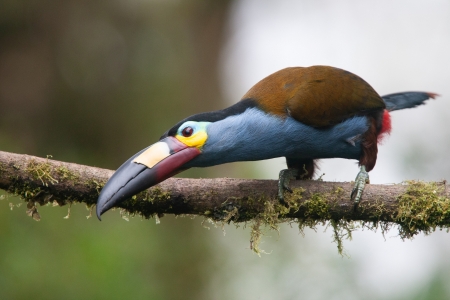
[305, 167]
[369, 146]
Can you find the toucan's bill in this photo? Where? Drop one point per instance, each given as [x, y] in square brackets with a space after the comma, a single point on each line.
[145, 169]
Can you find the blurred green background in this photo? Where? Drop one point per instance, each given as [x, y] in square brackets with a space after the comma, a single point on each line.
[93, 82]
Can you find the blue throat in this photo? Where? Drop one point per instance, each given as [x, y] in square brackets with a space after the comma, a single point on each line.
[255, 135]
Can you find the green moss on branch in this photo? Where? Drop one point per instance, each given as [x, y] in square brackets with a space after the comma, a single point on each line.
[413, 207]
[422, 208]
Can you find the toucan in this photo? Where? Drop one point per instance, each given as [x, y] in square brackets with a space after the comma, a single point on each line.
[300, 113]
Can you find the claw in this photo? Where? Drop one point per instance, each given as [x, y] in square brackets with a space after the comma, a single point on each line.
[283, 183]
[360, 182]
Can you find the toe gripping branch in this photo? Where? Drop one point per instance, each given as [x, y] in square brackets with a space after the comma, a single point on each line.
[360, 182]
[283, 183]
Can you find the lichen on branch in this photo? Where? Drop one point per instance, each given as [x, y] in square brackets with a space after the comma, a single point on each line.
[413, 207]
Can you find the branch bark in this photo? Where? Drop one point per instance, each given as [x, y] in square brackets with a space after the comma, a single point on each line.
[418, 206]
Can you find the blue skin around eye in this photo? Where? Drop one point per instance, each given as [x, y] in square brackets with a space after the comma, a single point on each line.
[191, 124]
[255, 135]
[196, 126]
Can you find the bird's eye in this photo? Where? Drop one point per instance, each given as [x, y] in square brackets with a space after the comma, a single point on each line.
[187, 132]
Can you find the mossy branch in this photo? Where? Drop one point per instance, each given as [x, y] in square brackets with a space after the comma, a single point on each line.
[414, 206]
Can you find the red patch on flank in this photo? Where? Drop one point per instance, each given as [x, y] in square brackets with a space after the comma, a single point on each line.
[385, 126]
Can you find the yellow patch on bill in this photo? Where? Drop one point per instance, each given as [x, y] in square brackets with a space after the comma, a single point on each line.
[153, 155]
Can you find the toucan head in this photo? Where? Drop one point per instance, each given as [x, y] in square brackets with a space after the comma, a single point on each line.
[200, 140]
[155, 163]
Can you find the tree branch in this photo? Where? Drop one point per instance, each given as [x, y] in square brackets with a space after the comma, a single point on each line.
[414, 206]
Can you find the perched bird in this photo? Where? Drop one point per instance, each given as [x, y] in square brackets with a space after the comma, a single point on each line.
[302, 114]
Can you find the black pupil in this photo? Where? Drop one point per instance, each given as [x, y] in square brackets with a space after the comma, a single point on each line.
[187, 131]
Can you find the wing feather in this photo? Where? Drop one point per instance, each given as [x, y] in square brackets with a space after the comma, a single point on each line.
[318, 96]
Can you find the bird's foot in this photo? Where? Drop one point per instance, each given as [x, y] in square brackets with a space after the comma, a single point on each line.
[283, 183]
[360, 182]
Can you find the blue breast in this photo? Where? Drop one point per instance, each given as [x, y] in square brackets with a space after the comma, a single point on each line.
[255, 135]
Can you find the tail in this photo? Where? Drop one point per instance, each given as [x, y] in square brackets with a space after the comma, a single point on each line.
[406, 100]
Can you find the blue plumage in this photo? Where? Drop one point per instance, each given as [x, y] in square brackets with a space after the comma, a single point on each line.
[255, 135]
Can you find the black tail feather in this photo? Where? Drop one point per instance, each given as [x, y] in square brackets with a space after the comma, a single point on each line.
[406, 99]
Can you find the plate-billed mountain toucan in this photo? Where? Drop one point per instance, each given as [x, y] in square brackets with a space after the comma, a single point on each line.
[302, 114]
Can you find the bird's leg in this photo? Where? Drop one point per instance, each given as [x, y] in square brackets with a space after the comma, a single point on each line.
[360, 182]
[283, 182]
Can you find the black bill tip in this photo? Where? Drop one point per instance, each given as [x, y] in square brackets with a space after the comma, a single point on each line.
[127, 181]
[143, 170]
